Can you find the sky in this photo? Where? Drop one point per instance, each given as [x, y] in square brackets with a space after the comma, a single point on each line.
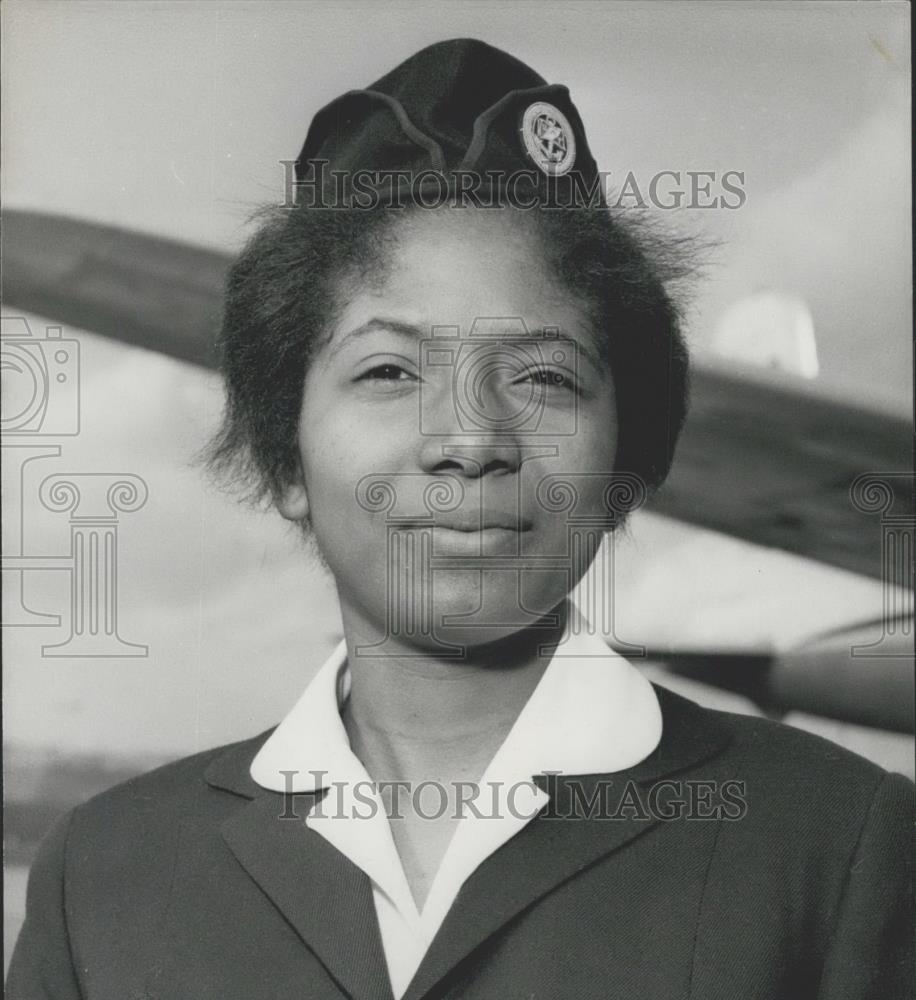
[172, 118]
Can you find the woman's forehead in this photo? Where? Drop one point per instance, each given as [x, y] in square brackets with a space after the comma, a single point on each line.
[453, 266]
[508, 225]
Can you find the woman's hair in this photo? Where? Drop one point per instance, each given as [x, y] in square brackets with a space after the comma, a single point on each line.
[281, 299]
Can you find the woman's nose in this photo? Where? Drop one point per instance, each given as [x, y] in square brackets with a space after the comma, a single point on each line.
[472, 438]
[471, 456]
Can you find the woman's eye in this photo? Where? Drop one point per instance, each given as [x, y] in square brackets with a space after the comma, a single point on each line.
[551, 378]
[387, 373]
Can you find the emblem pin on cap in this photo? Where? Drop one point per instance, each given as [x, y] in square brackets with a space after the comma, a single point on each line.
[549, 139]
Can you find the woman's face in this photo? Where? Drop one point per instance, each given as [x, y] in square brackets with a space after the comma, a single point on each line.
[457, 386]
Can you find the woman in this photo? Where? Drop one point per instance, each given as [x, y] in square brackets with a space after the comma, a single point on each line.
[455, 369]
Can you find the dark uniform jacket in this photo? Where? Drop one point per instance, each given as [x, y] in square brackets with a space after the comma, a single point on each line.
[782, 875]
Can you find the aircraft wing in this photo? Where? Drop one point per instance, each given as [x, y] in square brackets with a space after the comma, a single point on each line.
[759, 459]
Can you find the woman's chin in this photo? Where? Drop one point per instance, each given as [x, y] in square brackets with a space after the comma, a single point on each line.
[463, 609]
[474, 608]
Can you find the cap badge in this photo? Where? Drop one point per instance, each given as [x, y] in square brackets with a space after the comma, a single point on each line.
[549, 138]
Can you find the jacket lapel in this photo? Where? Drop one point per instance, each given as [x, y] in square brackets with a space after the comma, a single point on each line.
[325, 897]
[551, 849]
[328, 900]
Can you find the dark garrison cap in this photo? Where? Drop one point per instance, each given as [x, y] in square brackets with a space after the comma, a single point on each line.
[456, 108]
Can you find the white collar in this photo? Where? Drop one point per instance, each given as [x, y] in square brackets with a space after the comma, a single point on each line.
[592, 712]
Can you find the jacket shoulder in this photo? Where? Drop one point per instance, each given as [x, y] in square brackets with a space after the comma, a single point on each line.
[797, 788]
[179, 777]
[150, 807]
[763, 744]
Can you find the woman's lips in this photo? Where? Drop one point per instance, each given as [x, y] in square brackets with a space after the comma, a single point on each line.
[490, 540]
[477, 521]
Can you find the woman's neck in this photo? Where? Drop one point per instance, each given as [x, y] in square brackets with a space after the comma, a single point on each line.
[416, 715]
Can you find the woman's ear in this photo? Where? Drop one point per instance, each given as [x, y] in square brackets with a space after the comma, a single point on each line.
[292, 500]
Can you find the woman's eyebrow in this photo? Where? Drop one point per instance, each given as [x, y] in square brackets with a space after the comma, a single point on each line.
[378, 324]
[422, 332]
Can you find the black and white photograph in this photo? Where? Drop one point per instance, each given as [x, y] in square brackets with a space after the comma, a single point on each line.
[458, 499]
